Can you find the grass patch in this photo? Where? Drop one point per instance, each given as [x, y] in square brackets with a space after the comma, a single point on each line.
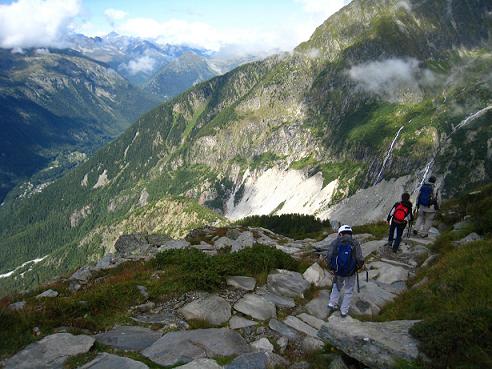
[378, 230]
[307, 162]
[107, 299]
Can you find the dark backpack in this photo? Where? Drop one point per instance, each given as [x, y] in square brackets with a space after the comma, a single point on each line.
[426, 195]
[343, 261]
[401, 212]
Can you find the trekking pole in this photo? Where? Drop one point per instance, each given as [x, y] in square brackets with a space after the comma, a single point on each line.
[358, 286]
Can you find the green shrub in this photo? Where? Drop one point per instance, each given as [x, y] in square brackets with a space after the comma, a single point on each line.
[457, 339]
[296, 226]
[378, 230]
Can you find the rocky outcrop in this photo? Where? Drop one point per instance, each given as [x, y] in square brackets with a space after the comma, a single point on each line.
[51, 352]
[377, 345]
[212, 309]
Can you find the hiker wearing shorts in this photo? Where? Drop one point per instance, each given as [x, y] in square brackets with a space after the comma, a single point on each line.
[398, 218]
[344, 258]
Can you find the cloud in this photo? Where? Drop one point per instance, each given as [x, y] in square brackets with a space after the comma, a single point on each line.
[322, 8]
[392, 79]
[144, 64]
[114, 15]
[36, 23]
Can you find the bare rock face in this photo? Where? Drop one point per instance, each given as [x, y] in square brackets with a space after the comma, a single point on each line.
[51, 352]
[377, 345]
[213, 309]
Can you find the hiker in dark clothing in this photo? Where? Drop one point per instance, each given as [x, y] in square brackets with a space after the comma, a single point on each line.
[427, 206]
[344, 258]
[397, 218]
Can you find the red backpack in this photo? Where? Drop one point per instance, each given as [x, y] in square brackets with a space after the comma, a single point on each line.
[401, 212]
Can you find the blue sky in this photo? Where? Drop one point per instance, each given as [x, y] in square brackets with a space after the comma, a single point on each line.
[254, 25]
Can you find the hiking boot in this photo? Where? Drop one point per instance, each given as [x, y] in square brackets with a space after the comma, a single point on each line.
[343, 315]
[415, 233]
[331, 309]
[388, 244]
[425, 235]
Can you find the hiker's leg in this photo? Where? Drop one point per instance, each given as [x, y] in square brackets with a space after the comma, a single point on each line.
[420, 220]
[399, 234]
[335, 294]
[429, 217]
[349, 283]
[391, 233]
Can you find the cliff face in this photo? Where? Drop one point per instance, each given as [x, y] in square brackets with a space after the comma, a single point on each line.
[383, 91]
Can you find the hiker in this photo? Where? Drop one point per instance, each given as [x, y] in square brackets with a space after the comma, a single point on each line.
[397, 219]
[426, 207]
[344, 258]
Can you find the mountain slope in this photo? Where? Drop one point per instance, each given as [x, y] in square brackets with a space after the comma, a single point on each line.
[292, 133]
[180, 74]
[58, 101]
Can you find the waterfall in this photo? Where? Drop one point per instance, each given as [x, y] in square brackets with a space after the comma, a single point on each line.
[388, 155]
[424, 176]
[471, 118]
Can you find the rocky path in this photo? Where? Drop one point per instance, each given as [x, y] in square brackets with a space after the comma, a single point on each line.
[254, 326]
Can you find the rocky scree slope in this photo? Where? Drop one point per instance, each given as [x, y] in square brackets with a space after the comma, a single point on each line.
[293, 133]
[274, 324]
[57, 102]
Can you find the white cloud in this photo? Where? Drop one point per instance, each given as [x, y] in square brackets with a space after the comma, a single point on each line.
[36, 23]
[143, 64]
[322, 8]
[393, 78]
[114, 15]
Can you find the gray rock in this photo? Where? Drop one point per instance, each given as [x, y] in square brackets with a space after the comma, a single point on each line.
[300, 365]
[338, 363]
[201, 364]
[462, 225]
[282, 329]
[131, 244]
[109, 361]
[254, 360]
[238, 322]
[48, 293]
[174, 245]
[213, 309]
[223, 242]
[105, 262]
[300, 326]
[17, 306]
[377, 345]
[143, 291]
[244, 283]
[371, 246]
[311, 320]
[311, 344]
[129, 338]
[279, 301]
[429, 260]
[50, 352]
[185, 346]
[163, 318]
[318, 276]
[319, 305]
[262, 345]
[371, 299]
[244, 240]
[325, 243]
[287, 283]
[472, 237]
[282, 343]
[256, 307]
[363, 237]
[144, 308]
[389, 273]
[82, 275]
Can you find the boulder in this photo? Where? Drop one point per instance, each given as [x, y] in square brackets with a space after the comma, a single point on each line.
[287, 283]
[104, 262]
[82, 275]
[201, 364]
[300, 326]
[245, 240]
[143, 291]
[371, 246]
[319, 305]
[311, 320]
[131, 244]
[279, 301]
[316, 275]
[254, 360]
[17, 306]
[371, 299]
[50, 352]
[256, 307]
[238, 322]
[472, 237]
[106, 361]
[282, 343]
[244, 283]
[338, 363]
[262, 345]
[129, 338]
[223, 242]
[174, 245]
[282, 329]
[377, 345]
[389, 273]
[311, 344]
[47, 294]
[213, 309]
[185, 346]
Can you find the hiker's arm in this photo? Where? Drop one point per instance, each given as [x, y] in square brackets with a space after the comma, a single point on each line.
[359, 258]
[390, 214]
[410, 214]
